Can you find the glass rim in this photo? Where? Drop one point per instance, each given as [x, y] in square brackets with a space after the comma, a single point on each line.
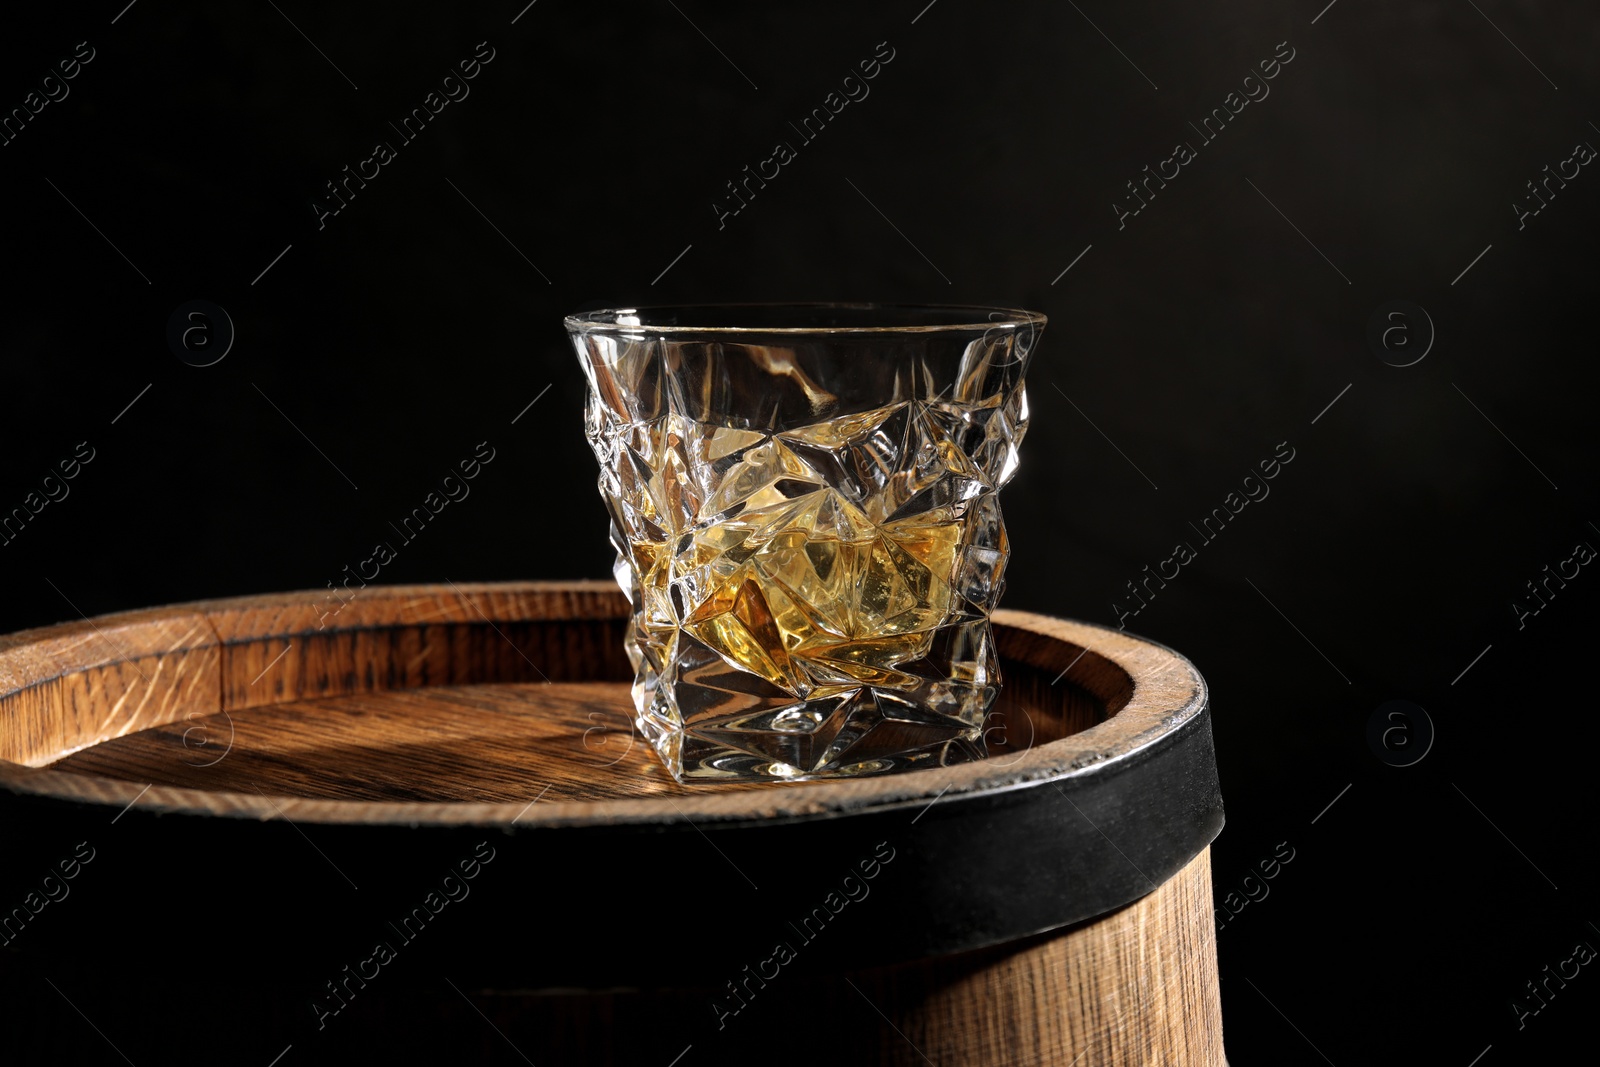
[722, 318]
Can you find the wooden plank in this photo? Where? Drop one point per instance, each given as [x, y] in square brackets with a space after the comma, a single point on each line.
[71, 686]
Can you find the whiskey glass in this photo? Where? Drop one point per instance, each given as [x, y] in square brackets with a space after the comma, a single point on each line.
[804, 503]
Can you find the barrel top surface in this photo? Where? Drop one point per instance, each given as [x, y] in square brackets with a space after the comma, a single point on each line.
[276, 742]
[489, 705]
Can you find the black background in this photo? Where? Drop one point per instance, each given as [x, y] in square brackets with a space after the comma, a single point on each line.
[381, 348]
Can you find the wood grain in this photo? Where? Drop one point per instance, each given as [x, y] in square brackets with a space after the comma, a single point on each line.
[478, 743]
[433, 709]
[65, 688]
[1135, 987]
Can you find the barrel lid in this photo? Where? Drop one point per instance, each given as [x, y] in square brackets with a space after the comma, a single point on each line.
[418, 732]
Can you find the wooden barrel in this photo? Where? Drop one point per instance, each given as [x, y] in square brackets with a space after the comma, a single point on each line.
[418, 822]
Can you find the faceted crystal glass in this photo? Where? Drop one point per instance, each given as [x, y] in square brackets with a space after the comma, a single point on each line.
[805, 506]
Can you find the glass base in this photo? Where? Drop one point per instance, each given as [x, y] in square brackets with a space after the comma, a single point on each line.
[710, 720]
[711, 762]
